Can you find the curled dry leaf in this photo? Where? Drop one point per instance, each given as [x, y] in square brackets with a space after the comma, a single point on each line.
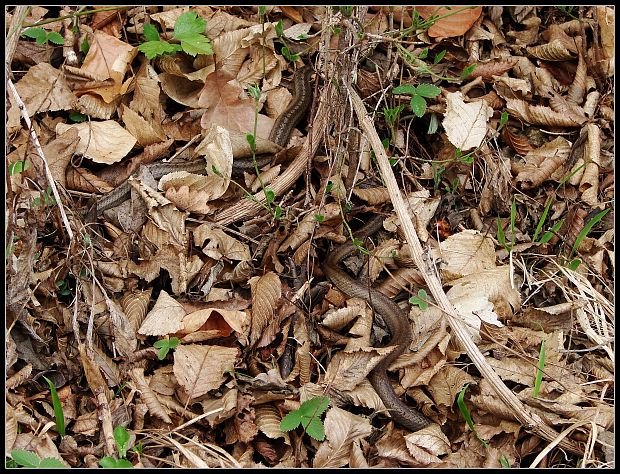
[80, 179]
[220, 245]
[212, 323]
[543, 162]
[268, 420]
[372, 196]
[446, 385]
[347, 369]
[518, 143]
[144, 131]
[342, 430]
[306, 227]
[540, 115]
[150, 398]
[428, 444]
[165, 318]
[201, 368]
[135, 304]
[266, 294]
[553, 51]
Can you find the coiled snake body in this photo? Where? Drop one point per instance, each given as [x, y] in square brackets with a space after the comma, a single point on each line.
[394, 317]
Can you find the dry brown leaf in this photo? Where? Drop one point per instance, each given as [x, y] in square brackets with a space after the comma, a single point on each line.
[103, 142]
[268, 420]
[393, 448]
[201, 368]
[518, 143]
[135, 305]
[80, 179]
[124, 336]
[266, 294]
[342, 430]
[494, 67]
[456, 22]
[427, 444]
[307, 226]
[447, 383]
[213, 323]
[42, 89]
[221, 407]
[552, 51]
[465, 123]
[542, 163]
[149, 397]
[108, 57]
[465, 253]
[220, 245]
[144, 131]
[540, 115]
[165, 318]
[10, 428]
[372, 196]
[589, 184]
[347, 369]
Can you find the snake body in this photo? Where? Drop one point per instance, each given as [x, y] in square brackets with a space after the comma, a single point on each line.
[394, 317]
[280, 134]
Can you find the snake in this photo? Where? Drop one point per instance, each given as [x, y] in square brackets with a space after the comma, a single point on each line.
[280, 134]
[395, 319]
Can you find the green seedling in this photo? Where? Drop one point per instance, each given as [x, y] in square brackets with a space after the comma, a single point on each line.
[42, 36]
[421, 300]
[539, 369]
[19, 167]
[460, 401]
[58, 412]
[165, 345]
[586, 230]
[307, 415]
[188, 30]
[419, 94]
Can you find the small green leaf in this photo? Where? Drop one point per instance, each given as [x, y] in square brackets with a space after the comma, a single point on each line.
[504, 461]
[314, 427]
[254, 91]
[433, 124]
[262, 10]
[467, 71]
[314, 407]
[291, 421]
[52, 463]
[439, 57]
[18, 167]
[152, 49]
[110, 463]
[55, 38]
[278, 212]
[319, 218]
[289, 56]
[270, 196]
[404, 89]
[423, 54]
[501, 238]
[121, 436]
[38, 34]
[428, 90]
[84, 47]
[418, 105]
[77, 117]
[189, 23]
[329, 186]
[574, 264]
[420, 300]
[504, 118]
[58, 412]
[279, 29]
[198, 44]
[25, 458]
[150, 32]
[251, 141]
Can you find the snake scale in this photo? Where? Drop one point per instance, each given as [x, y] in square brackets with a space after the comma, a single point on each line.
[394, 317]
[280, 134]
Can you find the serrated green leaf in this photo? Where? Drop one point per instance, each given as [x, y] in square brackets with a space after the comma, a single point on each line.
[315, 429]
[38, 34]
[55, 38]
[25, 458]
[196, 44]
[152, 49]
[405, 89]
[150, 32]
[418, 105]
[314, 407]
[291, 421]
[428, 90]
[52, 463]
[189, 23]
[109, 462]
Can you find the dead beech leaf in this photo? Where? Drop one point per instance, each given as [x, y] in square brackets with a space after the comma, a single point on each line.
[456, 22]
[372, 196]
[465, 123]
[216, 322]
[10, 428]
[266, 294]
[135, 305]
[544, 162]
[552, 51]
[81, 179]
[347, 369]
[59, 152]
[103, 142]
[124, 336]
[540, 115]
[465, 253]
[589, 184]
[427, 444]
[220, 244]
[42, 89]
[494, 67]
[201, 368]
[447, 383]
[518, 143]
[268, 420]
[140, 128]
[342, 430]
[226, 108]
[108, 57]
[150, 398]
[306, 227]
[165, 318]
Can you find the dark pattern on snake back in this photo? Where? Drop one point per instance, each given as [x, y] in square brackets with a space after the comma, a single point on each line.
[280, 134]
[394, 317]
